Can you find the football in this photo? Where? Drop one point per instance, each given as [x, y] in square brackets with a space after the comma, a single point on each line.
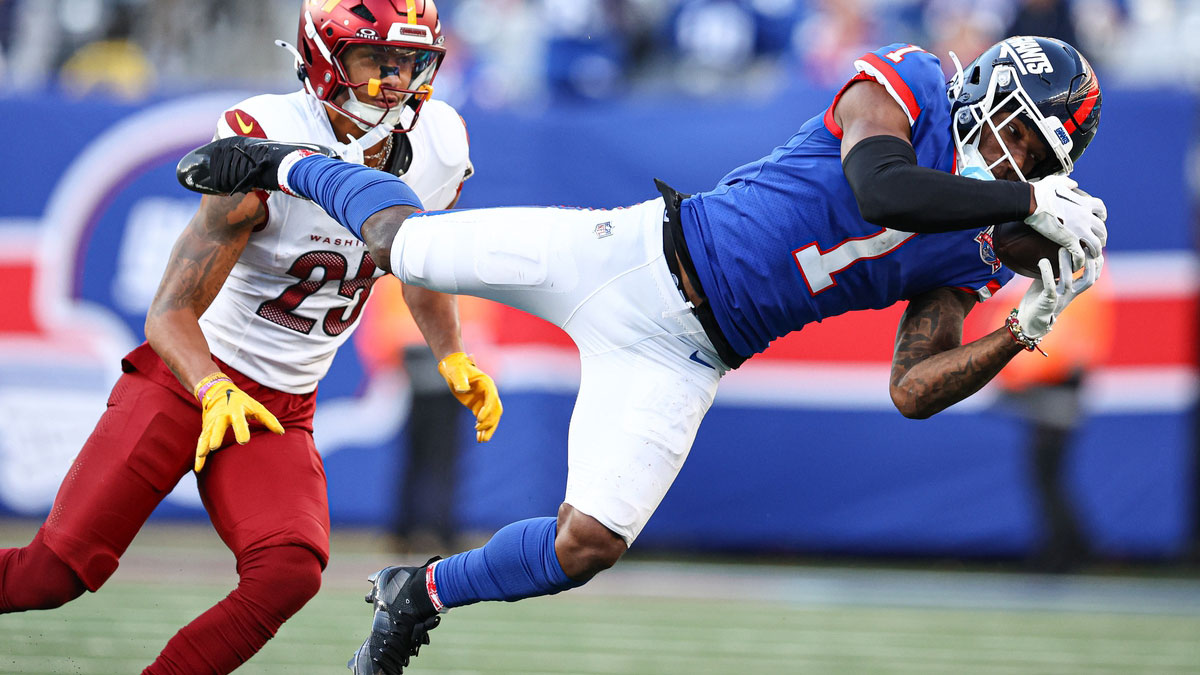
[1020, 247]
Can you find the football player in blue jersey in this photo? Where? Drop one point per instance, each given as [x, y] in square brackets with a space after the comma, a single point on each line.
[885, 196]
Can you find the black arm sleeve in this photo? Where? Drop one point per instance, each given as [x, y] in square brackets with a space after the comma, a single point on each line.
[892, 191]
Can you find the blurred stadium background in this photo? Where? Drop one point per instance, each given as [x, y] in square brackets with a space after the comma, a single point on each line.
[813, 528]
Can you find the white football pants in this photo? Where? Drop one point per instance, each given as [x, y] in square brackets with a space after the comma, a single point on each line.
[649, 373]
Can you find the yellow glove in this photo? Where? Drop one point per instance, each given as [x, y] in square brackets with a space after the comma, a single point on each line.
[474, 389]
[224, 406]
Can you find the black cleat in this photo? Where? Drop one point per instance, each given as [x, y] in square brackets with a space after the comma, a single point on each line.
[404, 615]
[240, 164]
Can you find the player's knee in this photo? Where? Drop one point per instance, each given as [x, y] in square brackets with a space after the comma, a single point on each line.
[35, 578]
[281, 578]
[584, 546]
[51, 594]
[302, 582]
[59, 595]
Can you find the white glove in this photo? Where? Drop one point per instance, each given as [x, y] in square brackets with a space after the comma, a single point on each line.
[1069, 217]
[1098, 208]
[1045, 300]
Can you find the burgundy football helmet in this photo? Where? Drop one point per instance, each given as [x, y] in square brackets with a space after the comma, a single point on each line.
[405, 29]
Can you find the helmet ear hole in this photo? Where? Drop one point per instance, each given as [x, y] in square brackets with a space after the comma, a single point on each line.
[974, 79]
[308, 57]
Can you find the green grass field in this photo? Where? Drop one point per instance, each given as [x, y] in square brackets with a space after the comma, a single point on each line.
[646, 618]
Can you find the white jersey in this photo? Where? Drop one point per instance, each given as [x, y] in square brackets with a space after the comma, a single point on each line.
[297, 291]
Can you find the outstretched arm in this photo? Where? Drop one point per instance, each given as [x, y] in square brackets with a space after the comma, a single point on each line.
[931, 368]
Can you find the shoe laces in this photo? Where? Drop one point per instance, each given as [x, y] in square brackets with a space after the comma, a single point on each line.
[235, 163]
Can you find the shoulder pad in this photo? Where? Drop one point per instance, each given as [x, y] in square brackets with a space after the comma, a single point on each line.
[266, 116]
[447, 133]
[911, 75]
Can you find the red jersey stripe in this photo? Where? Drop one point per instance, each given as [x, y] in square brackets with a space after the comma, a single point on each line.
[895, 84]
[833, 127]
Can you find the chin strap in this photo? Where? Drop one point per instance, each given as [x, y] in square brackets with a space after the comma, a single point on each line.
[354, 148]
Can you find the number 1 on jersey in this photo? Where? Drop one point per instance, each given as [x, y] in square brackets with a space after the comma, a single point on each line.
[897, 55]
[818, 267]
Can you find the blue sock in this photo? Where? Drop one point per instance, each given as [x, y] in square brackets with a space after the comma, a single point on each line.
[518, 562]
[350, 193]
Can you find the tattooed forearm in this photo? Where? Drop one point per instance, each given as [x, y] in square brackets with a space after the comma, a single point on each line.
[931, 368]
[205, 252]
[199, 264]
[196, 274]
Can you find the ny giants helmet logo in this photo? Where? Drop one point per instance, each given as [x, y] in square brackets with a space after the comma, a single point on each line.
[986, 252]
[1027, 54]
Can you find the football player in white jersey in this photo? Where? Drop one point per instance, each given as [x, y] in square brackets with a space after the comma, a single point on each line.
[259, 293]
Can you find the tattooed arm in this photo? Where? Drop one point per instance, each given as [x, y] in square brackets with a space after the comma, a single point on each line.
[931, 368]
[199, 264]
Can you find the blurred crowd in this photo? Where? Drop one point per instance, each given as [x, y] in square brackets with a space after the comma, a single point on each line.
[508, 52]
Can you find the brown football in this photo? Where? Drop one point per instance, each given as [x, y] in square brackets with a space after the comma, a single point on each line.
[1020, 247]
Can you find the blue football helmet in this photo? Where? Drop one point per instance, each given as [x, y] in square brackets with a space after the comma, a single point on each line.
[1046, 83]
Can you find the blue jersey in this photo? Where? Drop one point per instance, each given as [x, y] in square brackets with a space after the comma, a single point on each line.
[780, 242]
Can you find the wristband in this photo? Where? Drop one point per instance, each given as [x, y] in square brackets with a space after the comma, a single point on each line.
[1018, 334]
[207, 383]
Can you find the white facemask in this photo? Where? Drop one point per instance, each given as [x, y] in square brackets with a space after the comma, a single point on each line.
[972, 164]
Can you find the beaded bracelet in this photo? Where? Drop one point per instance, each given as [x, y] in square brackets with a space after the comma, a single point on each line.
[1018, 334]
[207, 383]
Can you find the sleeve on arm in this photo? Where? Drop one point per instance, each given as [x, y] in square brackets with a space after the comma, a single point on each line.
[893, 191]
[910, 74]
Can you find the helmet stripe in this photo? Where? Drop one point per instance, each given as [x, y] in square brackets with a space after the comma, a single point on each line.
[330, 5]
[412, 12]
[1085, 108]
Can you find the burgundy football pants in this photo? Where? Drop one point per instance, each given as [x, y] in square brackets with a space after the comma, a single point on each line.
[266, 499]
